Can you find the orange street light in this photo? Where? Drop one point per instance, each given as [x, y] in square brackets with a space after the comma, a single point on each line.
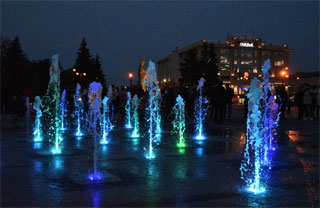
[131, 77]
[77, 73]
[84, 74]
[283, 73]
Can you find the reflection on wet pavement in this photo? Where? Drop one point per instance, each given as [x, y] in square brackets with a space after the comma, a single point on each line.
[204, 173]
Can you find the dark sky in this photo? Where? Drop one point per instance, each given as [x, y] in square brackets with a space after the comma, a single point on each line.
[122, 33]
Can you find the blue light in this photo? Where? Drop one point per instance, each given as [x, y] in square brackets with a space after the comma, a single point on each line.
[56, 151]
[200, 137]
[199, 151]
[95, 176]
[200, 110]
[37, 125]
[128, 111]
[37, 145]
[64, 110]
[256, 190]
[104, 141]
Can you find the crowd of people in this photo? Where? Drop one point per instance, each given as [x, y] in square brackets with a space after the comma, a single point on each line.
[307, 99]
[221, 98]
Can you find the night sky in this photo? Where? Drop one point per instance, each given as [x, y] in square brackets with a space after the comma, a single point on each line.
[122, 33]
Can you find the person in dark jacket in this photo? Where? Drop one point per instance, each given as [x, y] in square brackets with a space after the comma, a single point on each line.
[219, 101]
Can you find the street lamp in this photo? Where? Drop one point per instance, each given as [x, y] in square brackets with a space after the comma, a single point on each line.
[130, 77]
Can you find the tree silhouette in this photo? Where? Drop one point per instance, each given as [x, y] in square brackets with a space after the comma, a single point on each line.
[194, 66]
[89, 68]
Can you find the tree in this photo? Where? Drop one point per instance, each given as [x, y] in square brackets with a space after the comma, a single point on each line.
[84, 60]
[89, 68]
[209, 63]
[13, 66]
[193, 67]
[189, 68]
[98, 73]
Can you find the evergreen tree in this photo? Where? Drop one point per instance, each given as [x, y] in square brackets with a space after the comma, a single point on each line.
[193, 67]
[89, 68]
[189, 68]
[209, 61]
[98, 73]
[84, 61]
[14, 65]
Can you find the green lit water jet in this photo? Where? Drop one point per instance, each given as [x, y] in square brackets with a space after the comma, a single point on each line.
[178, 123]
[50, 103]
[135, 115]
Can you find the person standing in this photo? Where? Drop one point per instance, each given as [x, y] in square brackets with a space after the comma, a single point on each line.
[229, 97]
[307, 102]
[219, 100]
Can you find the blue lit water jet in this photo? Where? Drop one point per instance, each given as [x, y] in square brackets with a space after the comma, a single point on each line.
[37, 122]
[135, 116]
[94, 95]
[158, 115]
[106, 124]
[64, 110]
[178, 123]
[251, 166]
[128, 111]
[78, 109]
[271, 115]
[50, 103]
[153, 89]
[200, 110]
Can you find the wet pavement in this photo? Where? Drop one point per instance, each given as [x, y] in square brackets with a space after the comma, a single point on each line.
[204, 173]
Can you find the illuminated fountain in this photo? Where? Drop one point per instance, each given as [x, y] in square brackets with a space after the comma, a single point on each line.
[178, 123]
[94, 95]
[251, 166]
[27, 113]
[153, 89]
[200, 110]
[106, 124]
[271, 115]
[135, 116]
[64, 110]
[128, 111]
[158, 115]
[37, 122]
[50, 104]
[78, 109]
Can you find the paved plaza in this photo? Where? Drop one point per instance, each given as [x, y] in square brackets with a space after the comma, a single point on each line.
[204, 173]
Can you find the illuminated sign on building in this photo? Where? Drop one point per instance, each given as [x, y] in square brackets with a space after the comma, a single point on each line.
[246, 44]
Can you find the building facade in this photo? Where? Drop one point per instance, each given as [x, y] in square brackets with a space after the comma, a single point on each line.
[241, 58]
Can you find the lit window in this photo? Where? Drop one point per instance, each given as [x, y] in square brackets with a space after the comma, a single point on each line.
[235, 62]
[279, 63]
[254, 70]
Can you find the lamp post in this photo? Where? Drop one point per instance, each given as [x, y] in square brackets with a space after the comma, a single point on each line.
[130, 78]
